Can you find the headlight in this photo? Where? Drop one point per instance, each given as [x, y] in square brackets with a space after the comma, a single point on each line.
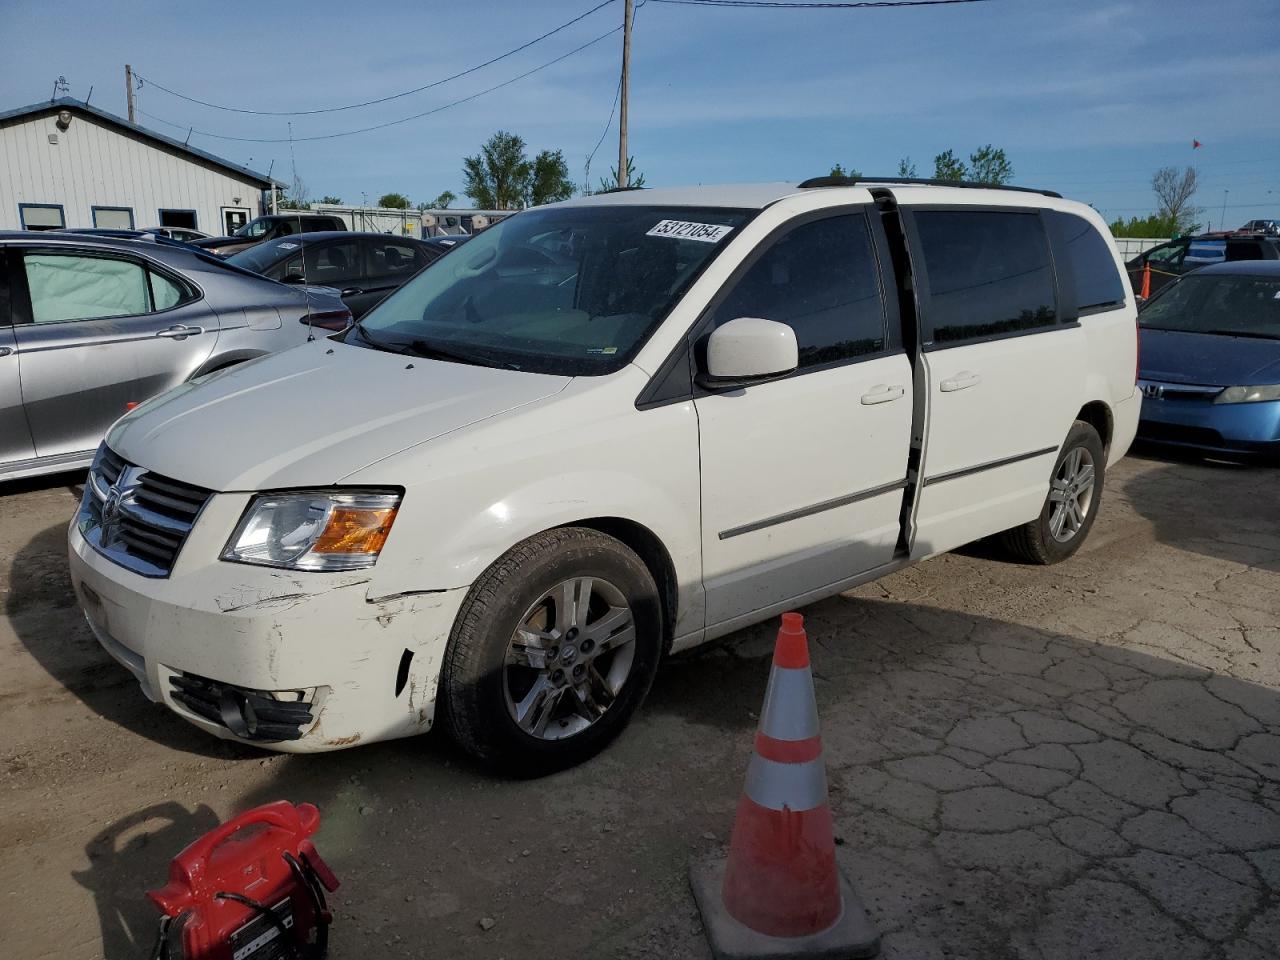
[314, 529]
[1269, 391]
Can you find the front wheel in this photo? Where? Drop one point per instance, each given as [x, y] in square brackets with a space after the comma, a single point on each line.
[1075, 493]
[553, 650]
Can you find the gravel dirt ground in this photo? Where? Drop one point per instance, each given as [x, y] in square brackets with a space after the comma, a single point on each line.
[1068, 762]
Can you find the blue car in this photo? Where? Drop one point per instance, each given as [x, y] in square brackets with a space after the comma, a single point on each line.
[1210, 361]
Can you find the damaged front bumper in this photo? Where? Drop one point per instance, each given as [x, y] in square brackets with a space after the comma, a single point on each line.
[291, 661]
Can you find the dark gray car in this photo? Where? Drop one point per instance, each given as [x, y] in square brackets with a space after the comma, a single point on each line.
[91, 326]
[366, 267]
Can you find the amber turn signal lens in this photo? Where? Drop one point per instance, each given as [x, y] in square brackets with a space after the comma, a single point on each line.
[356, 530]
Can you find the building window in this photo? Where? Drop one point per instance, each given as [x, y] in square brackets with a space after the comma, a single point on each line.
[113, 218]
[179, 218]
[41, 216]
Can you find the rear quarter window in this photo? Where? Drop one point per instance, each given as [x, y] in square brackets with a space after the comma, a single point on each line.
[989, 273]
[1098, 283]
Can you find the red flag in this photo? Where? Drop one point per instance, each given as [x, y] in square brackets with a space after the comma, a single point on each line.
[1195, 144]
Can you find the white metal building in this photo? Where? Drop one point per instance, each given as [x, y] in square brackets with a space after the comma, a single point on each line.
[64, 163]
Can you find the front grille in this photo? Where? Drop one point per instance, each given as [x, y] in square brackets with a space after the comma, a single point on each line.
[249, 714]
[136, 517]
[1175, 433]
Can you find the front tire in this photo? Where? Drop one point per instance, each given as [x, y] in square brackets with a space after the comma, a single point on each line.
[554, 648]
[1075, 494]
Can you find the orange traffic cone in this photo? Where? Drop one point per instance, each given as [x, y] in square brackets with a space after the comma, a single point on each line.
[780, 893]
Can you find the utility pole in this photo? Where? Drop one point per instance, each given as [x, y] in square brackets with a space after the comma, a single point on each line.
[128, 90]
[624, 180]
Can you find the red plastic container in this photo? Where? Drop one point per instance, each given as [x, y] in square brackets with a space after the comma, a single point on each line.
[246, 857]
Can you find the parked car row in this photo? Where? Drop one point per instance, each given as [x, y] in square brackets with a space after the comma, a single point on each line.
[92, 325]
[270, 228]
[1175, 257]
[365, 267]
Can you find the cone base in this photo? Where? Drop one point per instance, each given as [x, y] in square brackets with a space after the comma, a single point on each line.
[852, 937]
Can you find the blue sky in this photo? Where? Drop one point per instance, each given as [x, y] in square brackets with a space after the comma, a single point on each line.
[1087, 96]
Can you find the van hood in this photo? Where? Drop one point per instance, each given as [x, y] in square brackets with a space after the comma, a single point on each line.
[1174, 356]
[313, 415]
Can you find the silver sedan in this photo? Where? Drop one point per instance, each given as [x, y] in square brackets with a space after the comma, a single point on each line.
[92, 326]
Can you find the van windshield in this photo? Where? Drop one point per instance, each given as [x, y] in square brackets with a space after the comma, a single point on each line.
[569, 290]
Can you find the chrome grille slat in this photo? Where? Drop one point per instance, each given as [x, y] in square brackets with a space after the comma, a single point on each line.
[136, 518]
[153, 518]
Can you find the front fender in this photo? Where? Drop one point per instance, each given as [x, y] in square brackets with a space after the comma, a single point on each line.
[473, 495]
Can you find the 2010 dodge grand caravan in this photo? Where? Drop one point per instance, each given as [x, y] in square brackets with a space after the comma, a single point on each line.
[600, 432]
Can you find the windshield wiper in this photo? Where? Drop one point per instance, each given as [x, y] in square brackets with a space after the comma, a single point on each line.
[1243, 333]
[376, 344]
[432, 351]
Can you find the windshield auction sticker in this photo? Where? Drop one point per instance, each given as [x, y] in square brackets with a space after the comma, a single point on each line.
[684, 230]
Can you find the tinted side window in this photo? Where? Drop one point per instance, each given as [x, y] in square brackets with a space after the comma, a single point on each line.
[989, 273]
[820, 279]
[1097, 282]
[1170, 254]
[392, 258]
[331, 263]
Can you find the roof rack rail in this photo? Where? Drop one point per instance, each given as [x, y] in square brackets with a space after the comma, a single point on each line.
[919, 181]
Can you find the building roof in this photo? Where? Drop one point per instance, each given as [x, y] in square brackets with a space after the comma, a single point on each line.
[51, 107]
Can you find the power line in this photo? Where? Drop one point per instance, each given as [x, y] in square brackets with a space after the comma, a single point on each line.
[392, 123]
[605, 132]
[387, 99]
[779, 5]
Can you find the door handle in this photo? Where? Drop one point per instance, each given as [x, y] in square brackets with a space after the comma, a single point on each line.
[882, 393]
[961, 381]
[352, 291]
[5, 351]
[179, 331]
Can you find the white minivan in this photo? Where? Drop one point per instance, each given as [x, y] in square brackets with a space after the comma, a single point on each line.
[601, 432]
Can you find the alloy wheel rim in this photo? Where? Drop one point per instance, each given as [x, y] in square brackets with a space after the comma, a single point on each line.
[569, 658]
[1071, 494]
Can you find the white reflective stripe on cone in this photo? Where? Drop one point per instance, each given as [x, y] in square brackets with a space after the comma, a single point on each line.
[789, 711]
[797, 786]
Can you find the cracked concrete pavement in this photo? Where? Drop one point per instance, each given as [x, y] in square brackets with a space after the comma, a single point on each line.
[1072, 762]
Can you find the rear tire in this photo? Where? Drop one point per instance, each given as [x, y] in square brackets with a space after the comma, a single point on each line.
[1075, 494]
[535, 679]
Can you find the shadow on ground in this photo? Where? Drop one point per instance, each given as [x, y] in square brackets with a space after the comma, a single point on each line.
[1000, 791]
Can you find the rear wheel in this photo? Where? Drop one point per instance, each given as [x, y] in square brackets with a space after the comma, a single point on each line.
[553, 650]
[1075, 493]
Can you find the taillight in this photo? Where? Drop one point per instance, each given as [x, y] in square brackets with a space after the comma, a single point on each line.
[328, 319]
[1137, 353]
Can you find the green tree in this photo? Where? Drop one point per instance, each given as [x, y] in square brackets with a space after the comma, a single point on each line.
[839, 171]
[332, 201]
[394, 201]
[947, 166]
[548, 179]
[442, 202]
[906, 168]
[1174, 191]
[497, 178]
[1153, 225]
[633, 179]
[990, 165]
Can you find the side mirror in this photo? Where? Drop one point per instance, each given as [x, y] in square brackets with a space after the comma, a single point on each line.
[293, 278]
[749, 350]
